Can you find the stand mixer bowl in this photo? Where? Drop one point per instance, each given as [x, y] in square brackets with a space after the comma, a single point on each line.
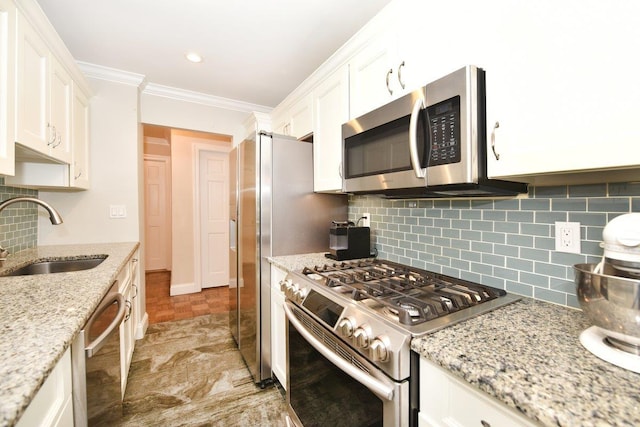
[611, 302]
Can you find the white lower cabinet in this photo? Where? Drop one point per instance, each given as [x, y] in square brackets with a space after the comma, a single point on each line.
[447, 401]
[52, 405]
[278, 327]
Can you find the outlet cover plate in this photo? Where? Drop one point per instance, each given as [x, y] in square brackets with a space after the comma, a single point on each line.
[568, 237]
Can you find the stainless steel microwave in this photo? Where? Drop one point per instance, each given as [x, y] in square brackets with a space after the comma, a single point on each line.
[428, 143]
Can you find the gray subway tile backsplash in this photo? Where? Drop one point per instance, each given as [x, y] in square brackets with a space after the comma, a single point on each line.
[506, 243]
[18, 222]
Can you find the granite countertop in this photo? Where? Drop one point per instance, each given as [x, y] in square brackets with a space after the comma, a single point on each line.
[41, 314]
[528, 355]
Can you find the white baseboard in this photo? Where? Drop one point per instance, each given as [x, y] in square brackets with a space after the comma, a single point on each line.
[141, 329]
[183, 288]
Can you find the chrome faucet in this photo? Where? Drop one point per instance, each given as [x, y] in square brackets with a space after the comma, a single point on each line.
[54, 216]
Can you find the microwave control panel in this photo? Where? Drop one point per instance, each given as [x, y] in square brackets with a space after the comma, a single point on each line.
[444, 124]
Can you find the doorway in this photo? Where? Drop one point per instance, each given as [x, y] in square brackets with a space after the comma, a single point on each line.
[186, 235]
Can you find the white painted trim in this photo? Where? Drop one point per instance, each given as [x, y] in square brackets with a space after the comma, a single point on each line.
[142, 326]
[101, 72]
[204, 99]
[183, 288]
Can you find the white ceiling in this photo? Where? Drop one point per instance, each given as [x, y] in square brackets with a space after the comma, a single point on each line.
[256, 51]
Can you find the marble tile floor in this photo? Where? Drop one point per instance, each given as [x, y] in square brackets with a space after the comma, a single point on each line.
[190, 373]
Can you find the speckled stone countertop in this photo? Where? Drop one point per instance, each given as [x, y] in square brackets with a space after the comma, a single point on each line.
[41, 314]
[528, 355]
[298, 262]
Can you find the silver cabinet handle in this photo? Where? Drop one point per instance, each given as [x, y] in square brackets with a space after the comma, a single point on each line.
[413, 140]
[96, 344]
[400, 67]
[129, 306]
[52, 134]
[493, 140]
[135, 289]
[388, 75]
[59, 141]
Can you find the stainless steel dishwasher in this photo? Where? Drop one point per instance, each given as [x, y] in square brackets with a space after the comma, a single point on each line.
[95, 354]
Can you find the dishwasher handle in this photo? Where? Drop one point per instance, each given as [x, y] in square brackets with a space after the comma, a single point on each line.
[94, 346]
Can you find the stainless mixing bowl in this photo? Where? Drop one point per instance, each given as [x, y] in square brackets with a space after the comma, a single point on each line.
[611, 302]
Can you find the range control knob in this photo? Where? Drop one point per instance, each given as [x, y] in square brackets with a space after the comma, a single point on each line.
[284, 284]
[379, 349]
[345, 327]
[300, 295]
[291, 290]
[362, 336]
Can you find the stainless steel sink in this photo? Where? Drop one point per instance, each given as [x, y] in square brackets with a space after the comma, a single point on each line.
[57, 266]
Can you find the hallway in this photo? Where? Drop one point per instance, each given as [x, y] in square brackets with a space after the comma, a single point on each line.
[163, 308]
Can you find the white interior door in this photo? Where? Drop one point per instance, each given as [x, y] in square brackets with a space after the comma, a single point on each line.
[157, 225]
[214, 218]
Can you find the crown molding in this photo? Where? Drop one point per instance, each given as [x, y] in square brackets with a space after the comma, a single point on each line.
[101, 72]
[204, 99]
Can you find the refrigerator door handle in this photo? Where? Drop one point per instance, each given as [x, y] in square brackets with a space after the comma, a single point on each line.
[233, 240]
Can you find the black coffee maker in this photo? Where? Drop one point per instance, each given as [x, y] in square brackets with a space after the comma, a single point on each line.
[346, 241]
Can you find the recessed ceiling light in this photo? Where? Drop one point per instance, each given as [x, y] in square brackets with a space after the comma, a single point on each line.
[193, 57]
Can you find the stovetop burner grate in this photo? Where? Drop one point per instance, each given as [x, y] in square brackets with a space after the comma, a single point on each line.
[411, 295]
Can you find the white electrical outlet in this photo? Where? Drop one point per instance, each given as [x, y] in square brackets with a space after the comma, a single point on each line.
[366, 219]
[568, 237]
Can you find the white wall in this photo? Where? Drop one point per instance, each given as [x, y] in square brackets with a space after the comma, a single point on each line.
[115, 174]
[159, 110]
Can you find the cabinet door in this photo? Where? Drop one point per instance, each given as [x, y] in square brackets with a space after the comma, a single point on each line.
[278, 327]
[331, 110]
[79, 174]
[60, 113]
[7, 86]
[373, 75]
[446, 400]
[301, 121]
[32, 76]
[565, 98]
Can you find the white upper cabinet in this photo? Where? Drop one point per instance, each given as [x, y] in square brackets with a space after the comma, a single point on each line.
[32, 106]
[301, 113]
[7, 86]
[294, 120]
[60, 112]
[375, 75]
[79, 174]
[563, 87]
[331, 110]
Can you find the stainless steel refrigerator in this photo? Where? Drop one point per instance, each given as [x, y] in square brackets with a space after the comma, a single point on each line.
[273, 212]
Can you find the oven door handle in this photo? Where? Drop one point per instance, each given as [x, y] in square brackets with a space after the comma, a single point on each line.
[376, 386]
[413, 138]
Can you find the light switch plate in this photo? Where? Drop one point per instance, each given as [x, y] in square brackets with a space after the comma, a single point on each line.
[117, 211]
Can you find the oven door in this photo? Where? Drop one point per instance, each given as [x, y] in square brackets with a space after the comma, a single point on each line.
[329, 384]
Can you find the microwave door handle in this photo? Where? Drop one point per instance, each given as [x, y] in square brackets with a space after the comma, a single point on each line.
[413, 138]
[376, 386]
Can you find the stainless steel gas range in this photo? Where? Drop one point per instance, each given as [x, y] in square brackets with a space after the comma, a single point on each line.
[349, 329]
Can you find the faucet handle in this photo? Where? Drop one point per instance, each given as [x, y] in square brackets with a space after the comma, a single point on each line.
[3, 254]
